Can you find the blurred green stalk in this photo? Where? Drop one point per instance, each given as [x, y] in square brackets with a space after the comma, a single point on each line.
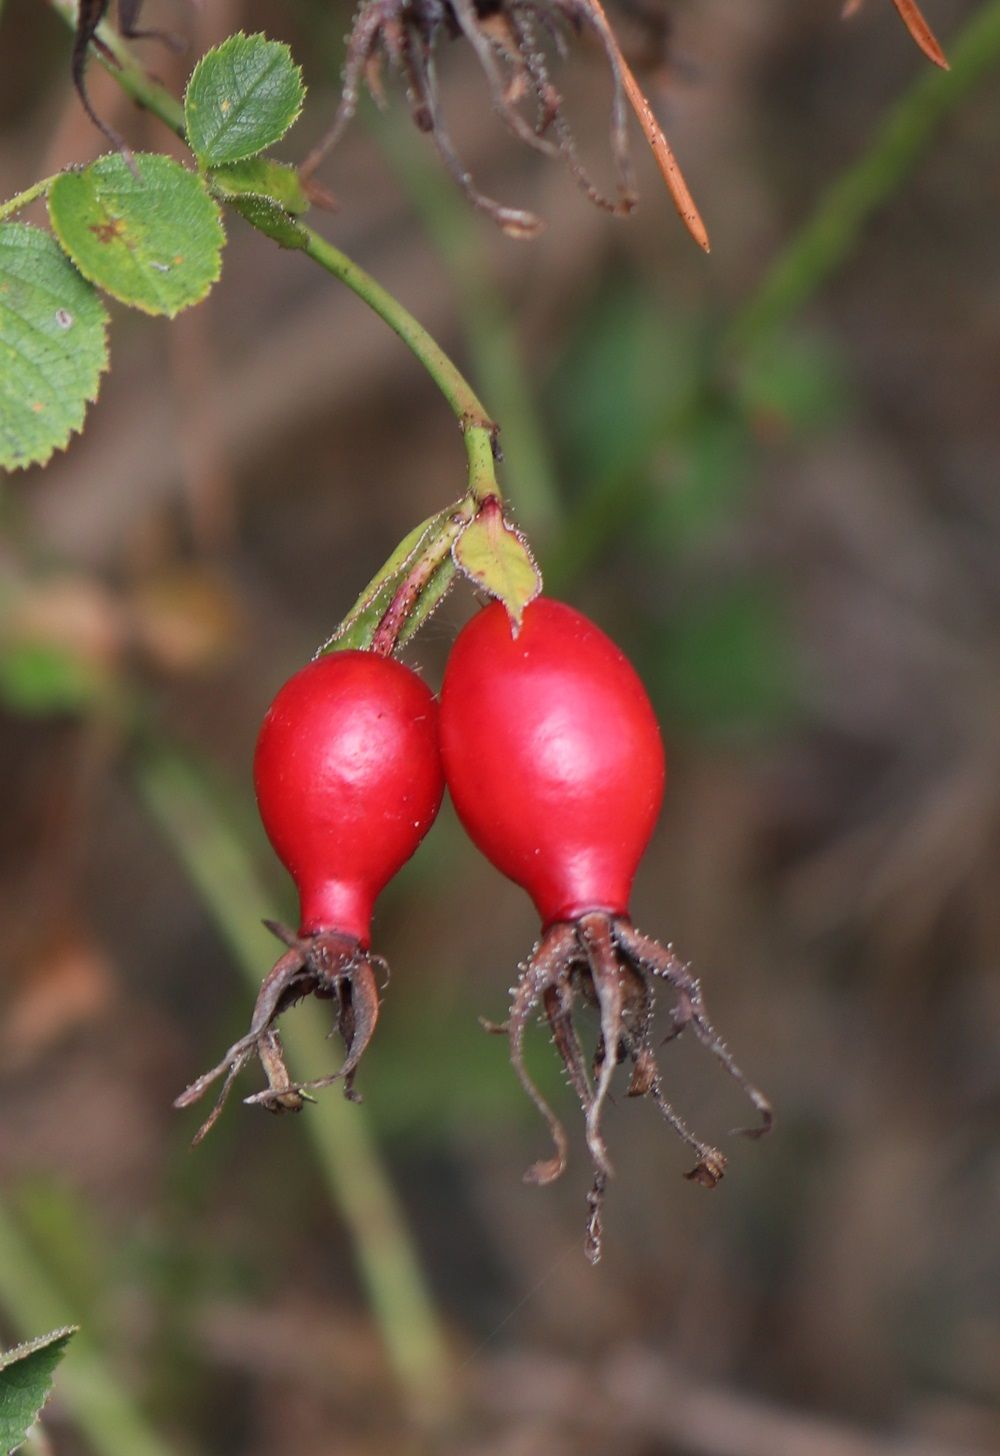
[96, 1400]
[834, 230]
[186, 808]
[821, 246]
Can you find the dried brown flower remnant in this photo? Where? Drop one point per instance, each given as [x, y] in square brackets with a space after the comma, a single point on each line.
[913, 18]
[506, 36]
[602, 961]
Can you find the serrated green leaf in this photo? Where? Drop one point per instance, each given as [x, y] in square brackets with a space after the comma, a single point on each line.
[261, 177]
[358, 626]
[242, 97]
[267, 217]
[25, 1381]
[495, 557]
[153, 241]
[53, 346]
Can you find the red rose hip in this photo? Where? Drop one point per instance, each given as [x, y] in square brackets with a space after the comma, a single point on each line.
[554, 760]
[349, 780]
[554, 756]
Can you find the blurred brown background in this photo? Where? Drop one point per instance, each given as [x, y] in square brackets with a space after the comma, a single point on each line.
[803, 561]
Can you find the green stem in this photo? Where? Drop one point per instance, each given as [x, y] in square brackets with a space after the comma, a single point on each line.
[15, 204]
[185, 808]
[493, 345]
[456, 389]
[112, 1424]
[834, 229]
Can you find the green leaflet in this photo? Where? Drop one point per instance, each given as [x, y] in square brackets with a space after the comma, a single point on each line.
[495, 557]
[153, 241]
[266, 216]
[53, 346]
[242, 97]
[261, 177]
[358, 626]
[25, 1381]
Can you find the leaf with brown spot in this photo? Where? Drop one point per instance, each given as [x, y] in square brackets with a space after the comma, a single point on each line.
[151, 238]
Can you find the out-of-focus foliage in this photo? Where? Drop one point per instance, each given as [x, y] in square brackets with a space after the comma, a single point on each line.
[797, 543]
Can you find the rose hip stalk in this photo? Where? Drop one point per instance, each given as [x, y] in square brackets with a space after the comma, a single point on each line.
[554, 760]
[349, 780]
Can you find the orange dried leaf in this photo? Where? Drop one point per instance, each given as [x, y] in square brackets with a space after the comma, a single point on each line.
[925, 38]
[660, 147]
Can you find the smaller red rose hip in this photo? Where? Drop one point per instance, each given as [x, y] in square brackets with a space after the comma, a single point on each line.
[554, 759]
[349, 780]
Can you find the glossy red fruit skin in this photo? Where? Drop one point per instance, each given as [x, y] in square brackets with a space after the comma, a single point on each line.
[553, 756]
[349, 780]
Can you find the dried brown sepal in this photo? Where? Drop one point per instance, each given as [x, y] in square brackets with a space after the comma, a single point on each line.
[505, 36]
[328, 965]
[606, 962]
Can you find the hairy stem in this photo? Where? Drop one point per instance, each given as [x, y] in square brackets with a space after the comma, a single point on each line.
[15, 204]
[186, 809]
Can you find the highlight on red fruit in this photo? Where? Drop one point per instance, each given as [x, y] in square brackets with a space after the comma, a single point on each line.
[554, 759]
[553, 755]
[349, 780]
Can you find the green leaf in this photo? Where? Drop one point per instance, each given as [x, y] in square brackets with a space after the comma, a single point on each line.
[53, 346]
[267, 217]
[268, 194]
[495, 557]
[152, 241]
[358, 627]
[25, 1381]
[261, 177]
[242, 97]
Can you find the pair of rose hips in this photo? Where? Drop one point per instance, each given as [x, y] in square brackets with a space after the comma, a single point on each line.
[549, 745]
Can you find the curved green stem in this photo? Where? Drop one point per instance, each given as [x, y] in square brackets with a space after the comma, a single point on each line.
[456, 389]
[477, 426]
